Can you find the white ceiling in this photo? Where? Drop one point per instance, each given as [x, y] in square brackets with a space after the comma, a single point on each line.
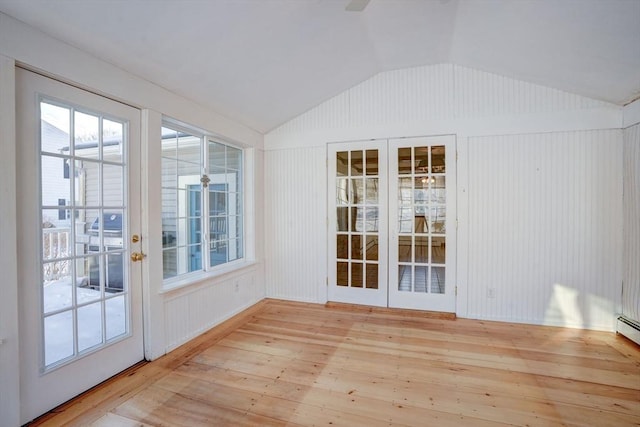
[263, 62]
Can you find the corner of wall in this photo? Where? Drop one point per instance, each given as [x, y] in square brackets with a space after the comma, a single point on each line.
[631, 114]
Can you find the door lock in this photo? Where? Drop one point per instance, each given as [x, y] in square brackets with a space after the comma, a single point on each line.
[135, 238]
[137, 256]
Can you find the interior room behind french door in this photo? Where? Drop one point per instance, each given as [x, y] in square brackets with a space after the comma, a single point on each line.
[392, 220]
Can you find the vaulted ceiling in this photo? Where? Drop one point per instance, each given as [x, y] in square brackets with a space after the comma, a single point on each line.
[263, 62]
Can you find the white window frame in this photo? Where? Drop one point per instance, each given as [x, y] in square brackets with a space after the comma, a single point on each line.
[73, 237]
[247, 235]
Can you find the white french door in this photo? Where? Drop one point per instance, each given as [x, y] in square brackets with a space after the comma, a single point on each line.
[358, 223]
[392, 223]
[422, 223]
[78, 215]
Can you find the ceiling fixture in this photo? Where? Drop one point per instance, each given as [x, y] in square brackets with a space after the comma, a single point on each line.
[356, 5]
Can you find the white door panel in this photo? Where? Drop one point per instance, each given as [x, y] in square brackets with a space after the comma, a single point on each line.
[78, 206]
[422, 223]
[358, 223]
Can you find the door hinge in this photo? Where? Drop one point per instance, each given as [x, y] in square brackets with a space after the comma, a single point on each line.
[456, 289]
[327, 281]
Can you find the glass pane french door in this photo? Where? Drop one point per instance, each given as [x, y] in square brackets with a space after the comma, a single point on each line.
[81, 311]
[358, 223]
[83, 213]
[392, 227]
[422, 223]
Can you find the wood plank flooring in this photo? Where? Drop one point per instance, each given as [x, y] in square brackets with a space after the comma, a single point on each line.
[284, 363]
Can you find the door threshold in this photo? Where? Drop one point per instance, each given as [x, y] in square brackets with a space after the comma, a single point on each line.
[390, 310]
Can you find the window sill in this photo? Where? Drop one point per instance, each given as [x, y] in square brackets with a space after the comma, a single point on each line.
[196, 278]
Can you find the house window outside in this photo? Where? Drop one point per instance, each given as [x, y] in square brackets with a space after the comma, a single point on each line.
[202, 202]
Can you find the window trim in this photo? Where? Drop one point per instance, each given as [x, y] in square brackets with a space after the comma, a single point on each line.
[194, 278]
[248, 242]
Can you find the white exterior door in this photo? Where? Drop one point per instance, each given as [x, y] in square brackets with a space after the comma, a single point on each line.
[78, 211]
[358, 222]
[422, 223]
[392, 228]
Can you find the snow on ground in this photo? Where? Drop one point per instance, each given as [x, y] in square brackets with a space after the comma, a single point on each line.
[58, 329]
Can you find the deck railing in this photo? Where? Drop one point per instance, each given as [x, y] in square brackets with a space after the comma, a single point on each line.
[56, 251]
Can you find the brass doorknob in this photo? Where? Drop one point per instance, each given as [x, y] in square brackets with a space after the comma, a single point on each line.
[137, 256]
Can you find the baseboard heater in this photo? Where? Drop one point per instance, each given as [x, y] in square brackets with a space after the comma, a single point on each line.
[629, 328]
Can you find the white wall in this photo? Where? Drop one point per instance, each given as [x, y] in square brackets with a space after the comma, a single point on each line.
[179, 314]
[171, 318]
[631, 174]
[500, 125]
[296, 233]
[545, 230]
[441, 99]
[9, 339]
[192, 311]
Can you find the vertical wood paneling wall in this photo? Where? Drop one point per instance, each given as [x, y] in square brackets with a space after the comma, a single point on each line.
[631, 266]
[400, 96]
[193, 311]
[403, 96]
[480, 94]
[539, 190]
[431, 96]
[295, 212]
[545, 228]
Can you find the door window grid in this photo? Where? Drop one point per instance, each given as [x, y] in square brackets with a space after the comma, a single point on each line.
[422, 215]
[85, 299]
[192, 163]
[357, 218]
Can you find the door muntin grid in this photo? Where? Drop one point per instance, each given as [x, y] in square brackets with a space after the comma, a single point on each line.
[357, 234]
[421, 208]
[85, 296]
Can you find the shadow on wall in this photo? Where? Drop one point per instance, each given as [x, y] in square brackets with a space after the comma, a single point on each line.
[568, 307]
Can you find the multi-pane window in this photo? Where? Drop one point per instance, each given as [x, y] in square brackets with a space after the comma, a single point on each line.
[202, 202]
[85, 291]
[225, 217]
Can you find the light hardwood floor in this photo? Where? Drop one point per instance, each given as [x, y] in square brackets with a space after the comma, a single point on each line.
[284, 363]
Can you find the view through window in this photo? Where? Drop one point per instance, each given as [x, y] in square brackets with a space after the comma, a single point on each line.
[83, 201]
[202, 202]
